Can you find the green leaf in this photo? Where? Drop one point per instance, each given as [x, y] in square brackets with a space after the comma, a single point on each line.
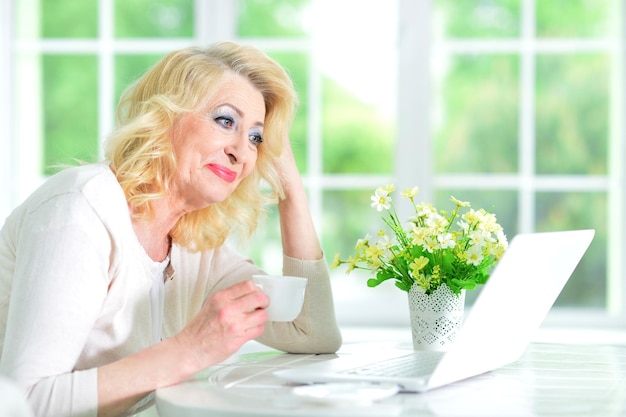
[383, 275]
[464, 284]
[403, 286]
[373, 282]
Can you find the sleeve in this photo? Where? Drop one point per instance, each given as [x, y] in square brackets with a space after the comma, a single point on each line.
[315, 330]
[60, 282]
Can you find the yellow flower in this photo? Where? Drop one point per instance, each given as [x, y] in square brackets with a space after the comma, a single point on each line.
[373, 253]
[336, 262]
[410, 193]
[459, 203]
[418, 264]
[351, 264]
[361, 243]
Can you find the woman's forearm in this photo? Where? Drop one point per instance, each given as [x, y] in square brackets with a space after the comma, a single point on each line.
[123, 383]
[299, 237]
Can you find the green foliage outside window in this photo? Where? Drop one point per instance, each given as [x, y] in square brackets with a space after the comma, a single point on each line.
[574, 18]
[479, 19]
[272, 18]
[572, 113]
[70, 114]
[69, 18]
[154, 18]
[478, 131]
[296, 64]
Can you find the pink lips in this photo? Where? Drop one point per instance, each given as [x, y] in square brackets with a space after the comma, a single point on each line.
[223, 172]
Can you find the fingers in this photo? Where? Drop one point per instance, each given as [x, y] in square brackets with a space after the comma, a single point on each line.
[247, 292]
[227, 320]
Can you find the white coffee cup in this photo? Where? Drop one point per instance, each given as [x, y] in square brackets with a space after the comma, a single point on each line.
[286, 295]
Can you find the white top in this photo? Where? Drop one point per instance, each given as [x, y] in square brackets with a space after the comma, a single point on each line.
[76, 285]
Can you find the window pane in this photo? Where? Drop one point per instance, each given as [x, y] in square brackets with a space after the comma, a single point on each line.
[572, 114]
[502, 203]
[70, 109]
[272, 18]
[478, 19]
[358, 137]
[349, 212]
[574, 18]
[358, 78]
[265, 246]
[565, 211]
[69, 18]
[153, 18]
[297, 65]
[477, 128]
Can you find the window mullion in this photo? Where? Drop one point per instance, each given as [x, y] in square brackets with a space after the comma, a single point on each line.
[8, 169]
[215, 20]
[314, 172]
[413, 158]
[28, 99]
[616, 239]
[527, 120]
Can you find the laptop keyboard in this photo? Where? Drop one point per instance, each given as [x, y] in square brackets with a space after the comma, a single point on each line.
[412, 365]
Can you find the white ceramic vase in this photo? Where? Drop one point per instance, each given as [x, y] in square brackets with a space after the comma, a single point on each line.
[435, 318]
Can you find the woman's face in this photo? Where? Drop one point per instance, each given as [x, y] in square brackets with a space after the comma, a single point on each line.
[217, 148]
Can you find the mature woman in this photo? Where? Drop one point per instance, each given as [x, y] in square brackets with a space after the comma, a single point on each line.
[115, 278]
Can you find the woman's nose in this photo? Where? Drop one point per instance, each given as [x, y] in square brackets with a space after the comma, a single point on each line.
[238, 149]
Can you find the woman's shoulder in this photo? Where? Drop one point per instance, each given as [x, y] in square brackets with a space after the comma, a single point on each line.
[81, 177]
[92, 185]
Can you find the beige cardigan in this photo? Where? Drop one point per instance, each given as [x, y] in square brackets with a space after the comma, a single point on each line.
[75, 291]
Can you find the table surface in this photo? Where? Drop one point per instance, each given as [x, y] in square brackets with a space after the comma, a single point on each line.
[550, 379]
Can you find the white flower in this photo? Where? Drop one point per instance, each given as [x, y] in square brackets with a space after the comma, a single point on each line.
[446, 240]
[424, 210]
[418, 235]
[431, 244]
[463, 226]
[437, 222]
[381, 200]
[477, 237]
[474, 255]
[384, 242]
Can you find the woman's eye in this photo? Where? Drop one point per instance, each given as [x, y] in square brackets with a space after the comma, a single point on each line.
[256, 139]
[225, 121]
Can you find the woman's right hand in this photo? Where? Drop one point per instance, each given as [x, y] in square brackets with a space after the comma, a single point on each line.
[227, 320]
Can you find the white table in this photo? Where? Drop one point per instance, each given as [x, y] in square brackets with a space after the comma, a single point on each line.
[551, 379]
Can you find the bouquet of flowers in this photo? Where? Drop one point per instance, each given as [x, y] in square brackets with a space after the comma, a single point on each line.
[458, 248]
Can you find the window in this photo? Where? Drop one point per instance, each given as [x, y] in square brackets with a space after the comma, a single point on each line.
[506, 103]
[540, 92]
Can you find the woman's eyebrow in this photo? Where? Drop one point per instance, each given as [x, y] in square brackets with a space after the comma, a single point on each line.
[241, 114]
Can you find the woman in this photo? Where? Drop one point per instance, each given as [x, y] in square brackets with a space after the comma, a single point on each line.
[115, 279]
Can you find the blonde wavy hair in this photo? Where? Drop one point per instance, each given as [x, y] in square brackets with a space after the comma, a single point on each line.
[141, 154]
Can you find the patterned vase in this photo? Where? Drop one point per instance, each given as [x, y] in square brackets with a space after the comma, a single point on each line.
[435, 318]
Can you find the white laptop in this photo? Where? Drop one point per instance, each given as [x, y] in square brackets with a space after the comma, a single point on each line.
[496, 331]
